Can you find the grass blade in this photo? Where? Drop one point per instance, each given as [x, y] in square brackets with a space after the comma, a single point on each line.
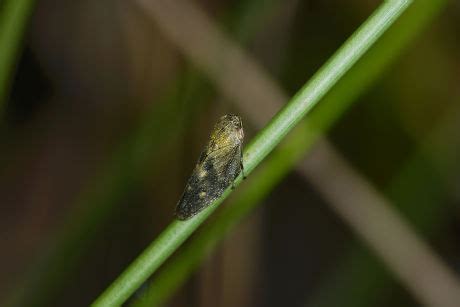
[177, 232]
[97, 203]
[369, 68]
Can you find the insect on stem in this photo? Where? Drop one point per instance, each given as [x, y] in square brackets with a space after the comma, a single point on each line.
[219, 165]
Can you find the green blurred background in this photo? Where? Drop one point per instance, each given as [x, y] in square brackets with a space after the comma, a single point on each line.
[104, 119]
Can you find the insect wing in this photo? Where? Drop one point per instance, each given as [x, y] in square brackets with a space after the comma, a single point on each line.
[214, 172]
[228, 165]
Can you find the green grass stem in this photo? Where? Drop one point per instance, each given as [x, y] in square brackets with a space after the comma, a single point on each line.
[366, 71]
[321, 83]
[97, 203]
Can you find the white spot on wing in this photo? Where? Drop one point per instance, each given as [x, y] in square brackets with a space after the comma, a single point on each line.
[202, 173]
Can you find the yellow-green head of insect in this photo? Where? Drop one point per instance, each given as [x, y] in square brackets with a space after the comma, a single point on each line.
[227, 131]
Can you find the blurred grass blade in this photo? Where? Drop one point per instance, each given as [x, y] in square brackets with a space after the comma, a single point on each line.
[370, 277]
[177, 232]
[14, 16]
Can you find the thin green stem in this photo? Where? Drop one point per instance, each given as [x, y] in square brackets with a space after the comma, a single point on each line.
[367, 71]
[177, 232]
[272, 171]
[353, 49]
[97, 203]
[14, 16]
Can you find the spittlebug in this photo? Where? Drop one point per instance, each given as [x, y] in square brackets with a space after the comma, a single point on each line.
[219, 165]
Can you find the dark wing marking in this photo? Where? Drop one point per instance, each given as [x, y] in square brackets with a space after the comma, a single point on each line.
[212, 175]
[233, 166]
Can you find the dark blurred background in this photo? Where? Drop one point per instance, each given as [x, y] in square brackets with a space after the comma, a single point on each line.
[107, 115]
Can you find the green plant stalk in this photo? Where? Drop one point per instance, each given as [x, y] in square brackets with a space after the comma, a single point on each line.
[95, 206]
[272, 171]
[14, 17]
[370, 278]
[177, 232]
[322, 82]
[365, 72]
